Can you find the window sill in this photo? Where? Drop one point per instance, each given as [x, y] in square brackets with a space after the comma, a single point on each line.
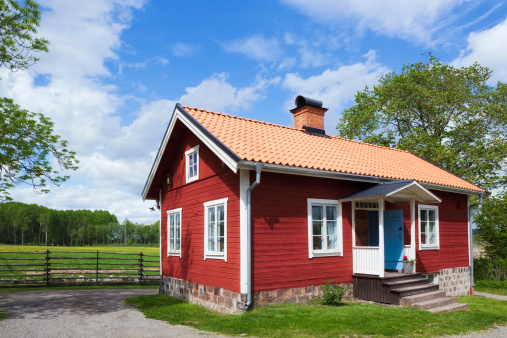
[326, 253]
[174, 254]
[215, 256]
[433, 247]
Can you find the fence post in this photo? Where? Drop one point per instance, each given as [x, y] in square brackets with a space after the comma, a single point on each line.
[141, 268]
[48, 264]
[97, 271]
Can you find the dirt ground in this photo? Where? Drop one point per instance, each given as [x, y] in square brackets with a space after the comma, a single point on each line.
[82, 313]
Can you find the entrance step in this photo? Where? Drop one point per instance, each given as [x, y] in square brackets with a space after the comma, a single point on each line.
[408, 301]
[413, 281]
[450, 308]
[414, 290]
[434, 303]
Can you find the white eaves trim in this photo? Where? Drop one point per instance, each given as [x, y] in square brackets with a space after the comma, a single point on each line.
[212, 144]
[285, 169]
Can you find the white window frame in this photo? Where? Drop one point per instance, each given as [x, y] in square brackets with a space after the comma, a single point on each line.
[437, 227]
[339, 245]
[188, 153]
[214, 254]
[169, 213]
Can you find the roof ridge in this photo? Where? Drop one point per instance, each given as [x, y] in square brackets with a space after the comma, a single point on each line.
[291, 128]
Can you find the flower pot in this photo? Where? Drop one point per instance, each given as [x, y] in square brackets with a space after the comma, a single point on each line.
[408, 267]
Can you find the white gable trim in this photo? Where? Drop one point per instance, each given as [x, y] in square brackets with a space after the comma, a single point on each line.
[224, 153]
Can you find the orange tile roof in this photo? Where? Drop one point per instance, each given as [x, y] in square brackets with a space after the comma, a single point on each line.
[270, 143]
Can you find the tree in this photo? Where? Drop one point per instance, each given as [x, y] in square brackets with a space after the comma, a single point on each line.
[448, 116]
[18, 24]
[492, 225]
[27, 140]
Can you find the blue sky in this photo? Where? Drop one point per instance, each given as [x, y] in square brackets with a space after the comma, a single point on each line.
[116, 69]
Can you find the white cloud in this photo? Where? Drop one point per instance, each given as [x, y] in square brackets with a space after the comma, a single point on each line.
[183, 49]
[336, 88]
[488, 48]
[256, 47]
[415, 20]
[215, 93]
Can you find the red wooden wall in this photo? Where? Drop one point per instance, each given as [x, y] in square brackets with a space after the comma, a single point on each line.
[453, 231]
[280, 233]
[216, 181]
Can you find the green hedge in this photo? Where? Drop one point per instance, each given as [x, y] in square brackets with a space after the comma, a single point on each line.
[486, 269]
[492, 284]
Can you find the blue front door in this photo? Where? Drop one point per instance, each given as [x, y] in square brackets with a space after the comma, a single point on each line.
[393, 239]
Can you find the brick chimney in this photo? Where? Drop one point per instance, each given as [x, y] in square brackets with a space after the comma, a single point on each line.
[309, 115]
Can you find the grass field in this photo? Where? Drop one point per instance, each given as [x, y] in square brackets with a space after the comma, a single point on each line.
[68, 263]
[315, 320]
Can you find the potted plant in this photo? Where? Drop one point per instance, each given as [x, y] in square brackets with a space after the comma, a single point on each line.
[408, 265]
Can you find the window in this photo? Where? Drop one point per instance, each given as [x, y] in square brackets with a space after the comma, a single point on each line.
[215, 229]
[324, 228]
[432, 277]
[192, 164]
[174, 232]
[367, 205]
[428, 227]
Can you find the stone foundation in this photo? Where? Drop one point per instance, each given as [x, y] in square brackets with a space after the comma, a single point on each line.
[227, 301]
[455, 281]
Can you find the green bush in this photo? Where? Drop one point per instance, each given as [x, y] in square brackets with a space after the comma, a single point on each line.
[492, 284]
[490, 269]
[333, 293]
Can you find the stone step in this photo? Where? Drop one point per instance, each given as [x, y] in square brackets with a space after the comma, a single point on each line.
[450, 308]
[414, 290]
[399, 277]
[407, 282]
[409, 300]
[434, 303]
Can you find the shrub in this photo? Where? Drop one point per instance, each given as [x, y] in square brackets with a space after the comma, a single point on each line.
[490, 269]
[492, 284]
[333, 293]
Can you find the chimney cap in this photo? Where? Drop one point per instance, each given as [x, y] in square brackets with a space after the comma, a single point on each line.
[303, 101]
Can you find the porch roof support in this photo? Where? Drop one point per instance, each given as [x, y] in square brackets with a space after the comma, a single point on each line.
[412, 231]
[381, 258]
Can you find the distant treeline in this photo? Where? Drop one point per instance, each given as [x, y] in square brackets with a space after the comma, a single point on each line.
[37, 225]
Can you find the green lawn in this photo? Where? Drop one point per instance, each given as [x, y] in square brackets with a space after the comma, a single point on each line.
[311, 320]
[76, 287]
[501, 292]
[76, 261]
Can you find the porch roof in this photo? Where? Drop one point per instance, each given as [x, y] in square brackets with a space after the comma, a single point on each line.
[399, 192]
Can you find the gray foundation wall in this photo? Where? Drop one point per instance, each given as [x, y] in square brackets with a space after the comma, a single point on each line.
[455, 281]
[227, 301]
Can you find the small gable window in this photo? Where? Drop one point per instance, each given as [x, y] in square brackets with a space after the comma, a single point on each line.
[428, 227]
[324, 228]
[174, 232]
[192, 164]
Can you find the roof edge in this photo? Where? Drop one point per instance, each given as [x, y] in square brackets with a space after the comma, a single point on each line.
[229, 157]
[278, 168]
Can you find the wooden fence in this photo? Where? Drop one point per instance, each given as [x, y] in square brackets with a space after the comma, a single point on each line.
[21, 268]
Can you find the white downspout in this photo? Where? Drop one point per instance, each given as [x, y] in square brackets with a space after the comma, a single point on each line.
[258, 169]
[159, 204]
[470, 221]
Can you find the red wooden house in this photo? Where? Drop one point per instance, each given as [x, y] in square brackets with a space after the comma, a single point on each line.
[253, 213]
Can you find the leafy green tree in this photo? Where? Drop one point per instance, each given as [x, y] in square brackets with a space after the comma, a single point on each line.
[492, 225]
[18, 25]
[448, 116]
[27, 140]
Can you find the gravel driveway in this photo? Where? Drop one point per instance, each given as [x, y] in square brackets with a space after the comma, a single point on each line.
[82, 313]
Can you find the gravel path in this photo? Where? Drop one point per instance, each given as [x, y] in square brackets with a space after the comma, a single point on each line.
[83, 313]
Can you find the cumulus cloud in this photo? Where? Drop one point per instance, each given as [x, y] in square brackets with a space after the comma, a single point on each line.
[416, 20]
[215, 93]
[489, 48]
[256, 47]
[336, 87]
